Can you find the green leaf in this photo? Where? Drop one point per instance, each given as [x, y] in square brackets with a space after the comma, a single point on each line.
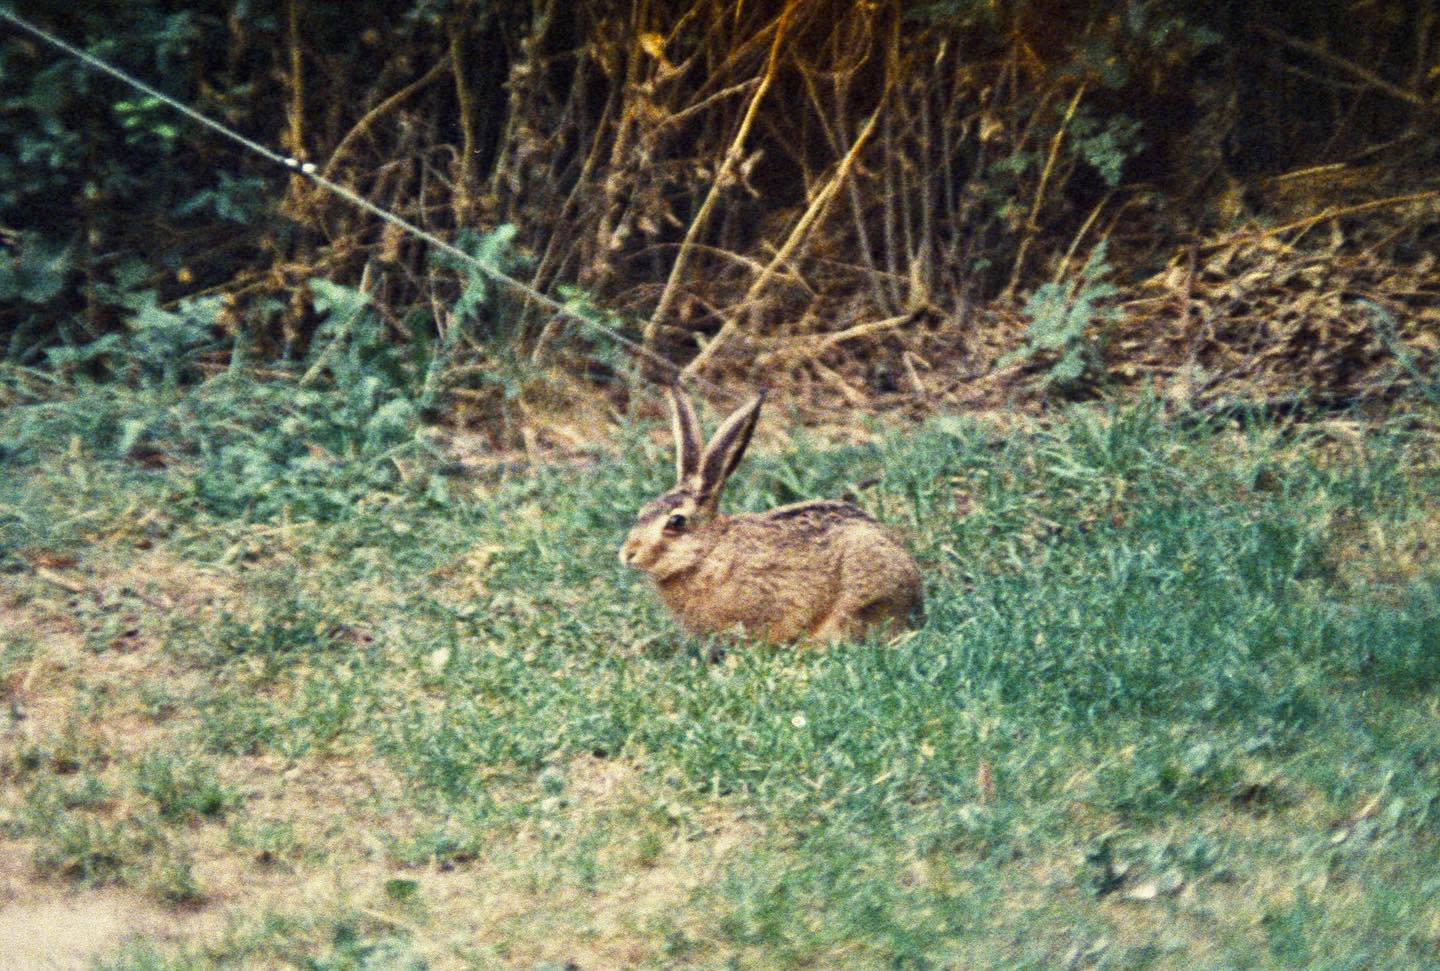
[1068, 369]
[37, 273]
[400, 890]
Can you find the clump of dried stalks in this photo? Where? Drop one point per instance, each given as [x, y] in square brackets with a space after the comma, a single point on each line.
[1317, 310]
[852, 200]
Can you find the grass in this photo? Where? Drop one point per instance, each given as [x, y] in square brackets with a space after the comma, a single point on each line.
[1174, 705]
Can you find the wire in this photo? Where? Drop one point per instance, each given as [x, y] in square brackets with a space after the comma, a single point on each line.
[308, 170]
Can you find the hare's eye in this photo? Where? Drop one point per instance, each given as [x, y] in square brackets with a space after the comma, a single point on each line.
[675, 523]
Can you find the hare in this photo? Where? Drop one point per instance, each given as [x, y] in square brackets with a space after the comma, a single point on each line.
[820, 569]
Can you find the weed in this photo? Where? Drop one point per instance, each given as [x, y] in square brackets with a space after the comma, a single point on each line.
[146, 957]
[81, 848]
[233, 722]
[182, 791]
[1062, 317]
[272, 842]
[172, 878]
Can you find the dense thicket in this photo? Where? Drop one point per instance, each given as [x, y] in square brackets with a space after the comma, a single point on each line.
[876, 200]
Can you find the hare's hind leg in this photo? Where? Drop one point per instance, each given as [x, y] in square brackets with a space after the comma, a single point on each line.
[879, 589]
[851, 621]
[835, 627]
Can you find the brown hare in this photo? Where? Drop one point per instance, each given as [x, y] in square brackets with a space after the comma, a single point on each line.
[820, 569]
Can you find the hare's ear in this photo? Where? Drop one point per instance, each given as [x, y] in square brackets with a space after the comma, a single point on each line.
[686, 429]
[727, 448]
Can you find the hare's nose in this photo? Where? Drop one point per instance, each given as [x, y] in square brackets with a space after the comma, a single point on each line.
[627, 553]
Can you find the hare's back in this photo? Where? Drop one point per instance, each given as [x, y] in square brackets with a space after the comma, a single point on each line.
[817, 516]
[828, 532]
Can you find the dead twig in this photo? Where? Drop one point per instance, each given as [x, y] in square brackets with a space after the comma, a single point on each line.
[861, 330]
[855, 398]
[722, 179]
[1354, 70]
[381, 110]
[1031, 226]
[813, 212]
[1334, 212]
[63, 582]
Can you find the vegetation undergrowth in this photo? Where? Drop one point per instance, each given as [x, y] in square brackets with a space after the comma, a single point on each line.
[1172, 704]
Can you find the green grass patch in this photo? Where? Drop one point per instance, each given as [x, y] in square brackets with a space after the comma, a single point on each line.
[1172, 705]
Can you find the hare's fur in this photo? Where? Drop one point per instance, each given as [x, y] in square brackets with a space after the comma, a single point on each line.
[819, 569]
